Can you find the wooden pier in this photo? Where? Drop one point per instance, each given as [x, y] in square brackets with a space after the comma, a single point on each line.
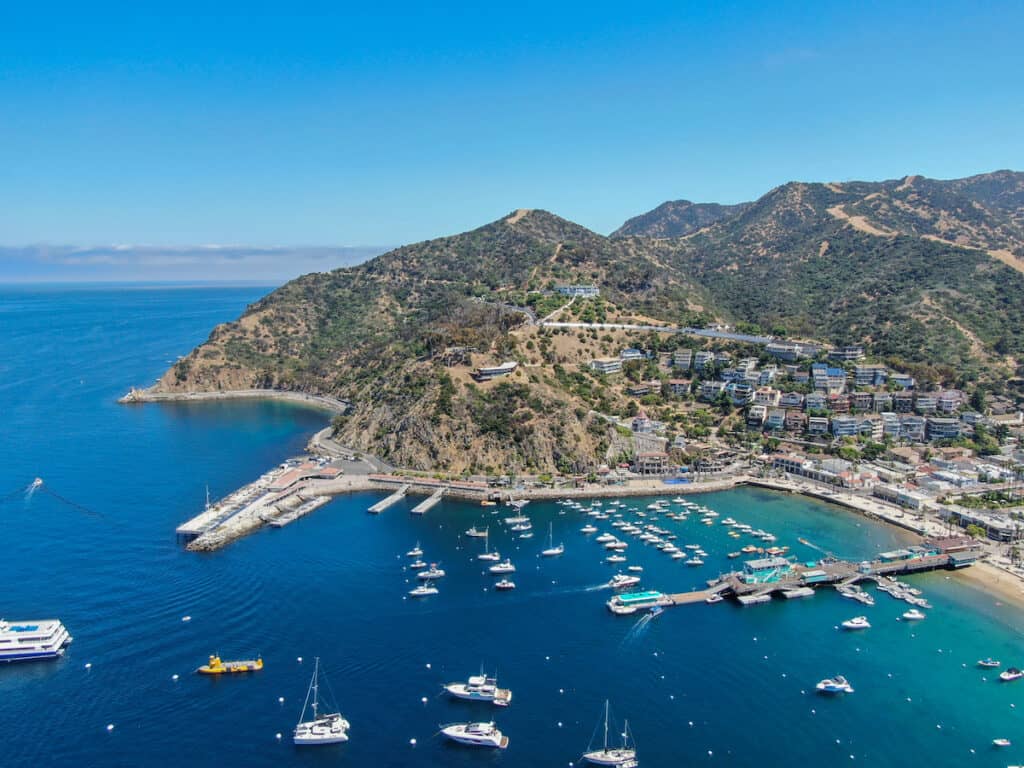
[424, 506]
[394, 498]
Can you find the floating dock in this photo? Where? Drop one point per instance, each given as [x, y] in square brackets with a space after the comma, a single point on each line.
[424, 506]
[391, 500]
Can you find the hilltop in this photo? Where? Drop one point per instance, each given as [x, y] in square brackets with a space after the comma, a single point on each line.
[918, 271]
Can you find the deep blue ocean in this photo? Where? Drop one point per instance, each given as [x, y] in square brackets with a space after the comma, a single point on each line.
[700, 685]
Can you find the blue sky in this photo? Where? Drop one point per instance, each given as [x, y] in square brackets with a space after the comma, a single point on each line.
[303, 123]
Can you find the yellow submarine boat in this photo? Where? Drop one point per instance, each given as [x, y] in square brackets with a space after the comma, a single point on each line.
[218, 667]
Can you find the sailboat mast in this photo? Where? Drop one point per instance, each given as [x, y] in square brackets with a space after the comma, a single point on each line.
[606, 725]
[316, 686]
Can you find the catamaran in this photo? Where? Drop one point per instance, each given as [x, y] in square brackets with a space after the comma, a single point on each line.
[322, 729]
[620, 757]
[552, 550]
[32, 640]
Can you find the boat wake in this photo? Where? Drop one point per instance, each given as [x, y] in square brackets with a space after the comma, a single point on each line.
[638, 629]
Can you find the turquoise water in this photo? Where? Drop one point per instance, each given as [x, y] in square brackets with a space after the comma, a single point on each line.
[700, 684]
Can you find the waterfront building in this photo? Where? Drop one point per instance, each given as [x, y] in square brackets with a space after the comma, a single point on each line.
[654, 463]
[766, 570]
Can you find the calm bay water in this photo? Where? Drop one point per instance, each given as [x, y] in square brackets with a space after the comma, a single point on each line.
[700, 684]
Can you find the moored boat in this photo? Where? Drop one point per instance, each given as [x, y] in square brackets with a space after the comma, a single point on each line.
[858, 622]
[218, 667]
[423, 590]
[837, 684]
[913, 615]
[476, 533]
[432, 573]
[620, 757]
[480, 688]
[552, 550]
[476, 734]
[1010, 675]
[322, 729]
[503, 567]
[988, 663]
[32, 640]
[504, 585]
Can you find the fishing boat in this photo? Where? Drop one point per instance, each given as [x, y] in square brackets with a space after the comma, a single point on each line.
[621, 757]
[476, 533]
[218, 667]
[481, 688]
[503, 567]
[837, 684]
[858, 622]
[504, 585]
[1010, 675]
[322, 729]
[432, 573]
[32, 640]
[415, 551]
[552, 550]
[476, 734]
[989, 663]
[913, 615]
[423, 590]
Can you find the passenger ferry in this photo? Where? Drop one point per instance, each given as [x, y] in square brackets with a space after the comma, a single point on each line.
[632, 602]
[32, 640]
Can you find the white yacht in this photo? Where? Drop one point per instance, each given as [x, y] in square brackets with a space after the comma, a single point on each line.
[588, 529]
[837, 684]
[605, 538]
[423, 590]
[635, 568]
[415, 551]
[621, 757]
[433, 573]
[503, 567]
[32, 640]
[504, 585]
[616, 558]
[416, 565]
[481, 688]
[913, 615]
[476, 533]
[322, 729]
[476, 734]
[858, 622]
[621, 580]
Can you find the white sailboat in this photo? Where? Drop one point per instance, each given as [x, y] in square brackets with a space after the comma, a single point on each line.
[552, 550]
[620, 757]
[487, 554]
[322, 729]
